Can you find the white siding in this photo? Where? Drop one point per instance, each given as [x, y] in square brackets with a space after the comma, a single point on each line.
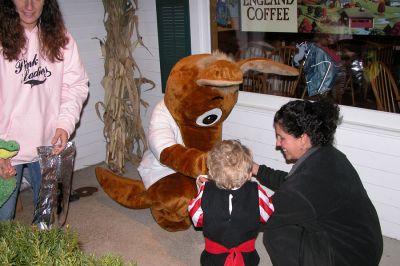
[370, 139]
[84, 19]
[149, 64]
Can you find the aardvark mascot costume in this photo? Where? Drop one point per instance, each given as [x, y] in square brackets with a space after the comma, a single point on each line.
[200, 93]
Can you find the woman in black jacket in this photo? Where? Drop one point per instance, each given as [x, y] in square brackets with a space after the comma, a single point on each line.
[323, 215]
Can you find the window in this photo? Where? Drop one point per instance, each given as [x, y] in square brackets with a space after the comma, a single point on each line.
[354, 49]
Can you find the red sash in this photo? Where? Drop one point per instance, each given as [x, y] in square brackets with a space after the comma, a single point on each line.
[235, 257]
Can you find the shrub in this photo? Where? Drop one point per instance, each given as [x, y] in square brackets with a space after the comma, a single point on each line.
[27, 245]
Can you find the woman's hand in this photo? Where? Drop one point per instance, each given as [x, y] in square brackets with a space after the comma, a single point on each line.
[59, 141]
[254, 171]
[7, 171]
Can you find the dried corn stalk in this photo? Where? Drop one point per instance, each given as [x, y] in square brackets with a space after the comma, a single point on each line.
[123, 131]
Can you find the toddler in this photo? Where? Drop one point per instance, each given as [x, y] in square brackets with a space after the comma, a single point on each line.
[230, 207]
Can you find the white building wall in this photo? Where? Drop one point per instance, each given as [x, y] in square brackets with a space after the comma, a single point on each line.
[370, 139]
[149, 63]
[84, 19]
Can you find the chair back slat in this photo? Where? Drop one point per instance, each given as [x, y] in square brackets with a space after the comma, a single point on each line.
[258, 82]
[384, 87]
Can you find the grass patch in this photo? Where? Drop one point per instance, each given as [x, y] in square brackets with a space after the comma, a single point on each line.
[27, 245]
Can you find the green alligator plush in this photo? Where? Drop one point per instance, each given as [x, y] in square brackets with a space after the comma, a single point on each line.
[8, 149]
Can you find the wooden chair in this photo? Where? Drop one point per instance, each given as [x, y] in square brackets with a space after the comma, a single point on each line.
[256, 49]
[372, 52]
[384, 87]
[252, 80]
[284, 85]
[367, 52]
[377, 52]
[270, 83]
[285, 54]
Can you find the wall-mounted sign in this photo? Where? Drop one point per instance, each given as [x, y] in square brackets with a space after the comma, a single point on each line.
[269, 15]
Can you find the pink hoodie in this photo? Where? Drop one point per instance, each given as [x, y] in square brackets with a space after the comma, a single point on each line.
[37, 96]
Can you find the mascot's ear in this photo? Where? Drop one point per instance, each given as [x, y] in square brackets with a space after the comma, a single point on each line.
[265, 65]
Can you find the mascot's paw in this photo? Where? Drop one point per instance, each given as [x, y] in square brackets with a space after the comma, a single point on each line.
[170, 198]
[127, 192]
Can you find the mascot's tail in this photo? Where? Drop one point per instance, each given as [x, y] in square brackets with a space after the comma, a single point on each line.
[127, 192]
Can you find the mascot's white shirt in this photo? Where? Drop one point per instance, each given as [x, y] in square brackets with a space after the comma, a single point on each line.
[163, 133]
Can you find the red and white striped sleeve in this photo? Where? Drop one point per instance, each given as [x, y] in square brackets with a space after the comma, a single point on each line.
[265, 203]
[195, 210]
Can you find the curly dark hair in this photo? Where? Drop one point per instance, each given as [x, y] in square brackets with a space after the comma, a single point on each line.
[53, 34]
[318, 120]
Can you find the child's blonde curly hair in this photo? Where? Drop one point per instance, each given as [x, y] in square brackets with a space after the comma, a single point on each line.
[229, 164]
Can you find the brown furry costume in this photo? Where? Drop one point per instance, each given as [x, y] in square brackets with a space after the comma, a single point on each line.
[197, 84]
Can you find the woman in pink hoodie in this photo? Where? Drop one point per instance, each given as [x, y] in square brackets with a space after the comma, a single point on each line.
[43, 86]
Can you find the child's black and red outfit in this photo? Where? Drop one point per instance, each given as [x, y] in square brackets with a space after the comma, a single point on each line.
[231, 220]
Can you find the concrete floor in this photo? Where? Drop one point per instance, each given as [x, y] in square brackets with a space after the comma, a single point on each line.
[105, 227]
